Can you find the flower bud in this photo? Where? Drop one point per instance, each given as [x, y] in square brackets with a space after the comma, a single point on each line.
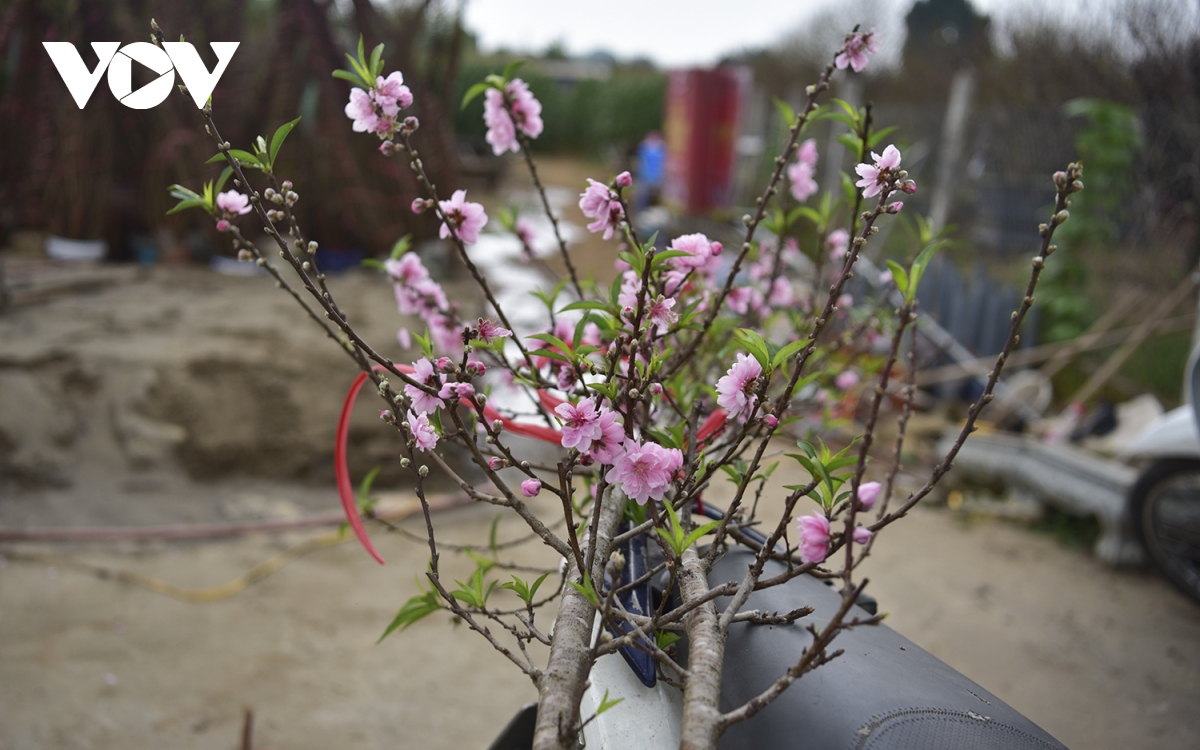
[312, 248]
[222, 226]
[717, 248]
[404, 463]
[387, 148]
[423, 471]
[245, 255]
[656, 388]
[291, 197]
[411, 124]
[908, 186]
[495, 462]
[531, 487]
[444, 364]
[624, 180]
[1060, 180]
[1062, 216]
[419, 205]
[497, 425]
[1076, 186]
[386, 416]
[617, 559]
[770, 420]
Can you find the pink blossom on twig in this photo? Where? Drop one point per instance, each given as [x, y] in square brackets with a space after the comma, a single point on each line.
[233, 202]
[814, 537]
[735, 390]
[857, 51]
[463, 217]
[423, 433]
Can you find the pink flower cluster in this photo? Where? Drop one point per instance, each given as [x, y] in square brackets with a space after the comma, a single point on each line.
[735, 390]
[644, 472]
[596, 433]
[463, 218]
[375, 111]
[600, 205]
[418, 294]
[506, 112]
[802, 172]
[857, 51]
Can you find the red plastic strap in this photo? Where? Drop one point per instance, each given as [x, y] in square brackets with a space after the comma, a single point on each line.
[345, 490]
[342, 470]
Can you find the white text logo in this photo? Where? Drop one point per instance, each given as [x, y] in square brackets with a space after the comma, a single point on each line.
[179, 56]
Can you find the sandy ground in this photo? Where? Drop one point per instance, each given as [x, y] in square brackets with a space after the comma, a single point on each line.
[182, 396]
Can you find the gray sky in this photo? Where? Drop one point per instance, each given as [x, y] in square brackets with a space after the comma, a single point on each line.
[678, 33]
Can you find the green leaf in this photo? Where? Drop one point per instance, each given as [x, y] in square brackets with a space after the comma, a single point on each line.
[228, 170]
[899, 277]
[419, 606]
[537, 584]
[698, 532]
[786, 111]
[353, 78]
[377, 60]
[364, 487]
[851, 142]
[787, 351]
[665, 638]
[919, 265]
[401, 247]
[189, 203]
[511, 68]
[606, 704]
[586, 304]
[665, 255]
[245, 157]
[756, 345]
[587, 590]
[879, 135]
[473, 92]
[280, 134]
[550, 339]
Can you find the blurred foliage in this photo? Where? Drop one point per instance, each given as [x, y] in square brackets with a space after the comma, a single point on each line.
[591, 117]
[1074, 532]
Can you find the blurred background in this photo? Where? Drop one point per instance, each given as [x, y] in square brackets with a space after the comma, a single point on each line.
[141, 385]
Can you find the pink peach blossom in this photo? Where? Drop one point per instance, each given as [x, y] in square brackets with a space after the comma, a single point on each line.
[875, 176]
[362, 110]
[608, 446]
[423, 433]
[838, 243]
[464, 217]
[858, 48]
[581, 423]
[846, 380]
[531, 487]
[734, 391]
[643, 472]
[233, 202]
[862, 535]
[867, 494]
[423, 373]
[814, 537]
